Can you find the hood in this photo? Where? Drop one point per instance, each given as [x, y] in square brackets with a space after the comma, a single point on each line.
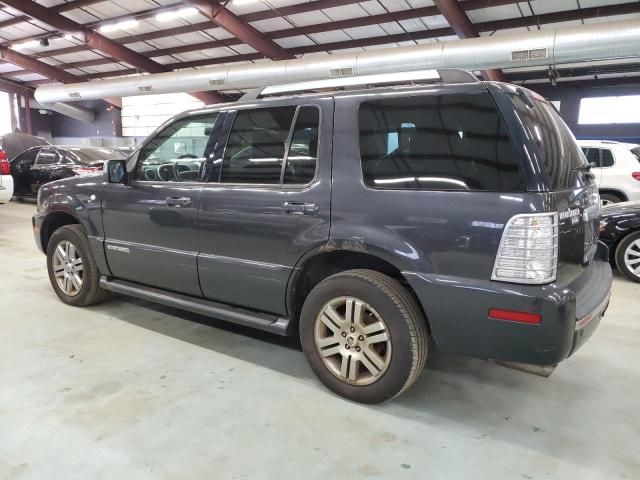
[16, 143]
[618, 208]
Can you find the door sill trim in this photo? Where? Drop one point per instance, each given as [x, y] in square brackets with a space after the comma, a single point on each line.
[240, 316]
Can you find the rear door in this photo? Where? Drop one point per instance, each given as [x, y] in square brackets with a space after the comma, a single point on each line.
[21, 170]
[267, 202]
[45, 164]
[150, 221]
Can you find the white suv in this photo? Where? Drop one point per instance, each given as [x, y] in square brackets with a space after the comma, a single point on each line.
[616, 166]
[6, 180]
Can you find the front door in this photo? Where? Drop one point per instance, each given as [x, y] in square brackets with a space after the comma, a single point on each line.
[267, 202]
[150, 220]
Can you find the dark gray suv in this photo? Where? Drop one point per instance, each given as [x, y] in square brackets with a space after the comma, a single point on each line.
[373, 222]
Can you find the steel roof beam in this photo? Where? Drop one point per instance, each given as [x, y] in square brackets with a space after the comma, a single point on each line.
[99, 42]
[459, 21]
[233, 24]
[46, 70]
[63, 7]
[312, 6]
[549, 18]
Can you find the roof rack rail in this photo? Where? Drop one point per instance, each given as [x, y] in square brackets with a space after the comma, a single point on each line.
[445, 75]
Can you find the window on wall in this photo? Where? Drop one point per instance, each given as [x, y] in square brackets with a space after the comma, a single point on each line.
[437, 142]
[609, 110]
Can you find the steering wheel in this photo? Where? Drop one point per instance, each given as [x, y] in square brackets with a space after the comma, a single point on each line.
[187, 155]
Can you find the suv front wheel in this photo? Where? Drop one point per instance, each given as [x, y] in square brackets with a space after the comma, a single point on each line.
[72, 269]
[364, 335]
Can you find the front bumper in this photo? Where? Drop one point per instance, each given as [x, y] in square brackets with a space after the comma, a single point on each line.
[36, 222]
[457, 311]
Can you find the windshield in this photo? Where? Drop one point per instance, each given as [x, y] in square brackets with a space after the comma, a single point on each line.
[94, 155]
[636, 152]
[557, 146]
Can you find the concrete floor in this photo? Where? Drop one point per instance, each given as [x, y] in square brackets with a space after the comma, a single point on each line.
[132, 390]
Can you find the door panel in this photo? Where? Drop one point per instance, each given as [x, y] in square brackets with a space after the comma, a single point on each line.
[252, 235]
[150, 225]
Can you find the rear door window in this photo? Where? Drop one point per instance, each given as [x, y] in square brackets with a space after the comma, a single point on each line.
[272, 146]
[607, 158]
[47, 156]
[593, 156]
[437, 142]
[555, 143]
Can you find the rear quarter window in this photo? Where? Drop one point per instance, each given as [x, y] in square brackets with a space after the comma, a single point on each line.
[437, 142]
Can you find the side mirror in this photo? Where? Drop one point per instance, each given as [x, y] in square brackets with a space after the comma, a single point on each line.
[116, 170]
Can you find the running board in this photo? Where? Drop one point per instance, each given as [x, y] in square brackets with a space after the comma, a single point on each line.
[240, 316]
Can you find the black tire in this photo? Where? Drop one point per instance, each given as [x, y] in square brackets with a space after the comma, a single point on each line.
[406, 327]
[620, 253]
[610, 198]
[90, 293]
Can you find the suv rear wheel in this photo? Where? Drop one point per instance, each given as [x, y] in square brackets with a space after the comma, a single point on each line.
[628, 256]
[72, 269]
[364, 335]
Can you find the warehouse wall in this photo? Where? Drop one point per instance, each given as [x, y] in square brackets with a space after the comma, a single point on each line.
[107, 124]
[569, 97]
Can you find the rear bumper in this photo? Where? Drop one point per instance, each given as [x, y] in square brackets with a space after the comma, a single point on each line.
[6, 188]
[457, 310]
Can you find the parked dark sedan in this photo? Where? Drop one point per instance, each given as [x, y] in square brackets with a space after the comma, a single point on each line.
[42, 164]
[620, 230]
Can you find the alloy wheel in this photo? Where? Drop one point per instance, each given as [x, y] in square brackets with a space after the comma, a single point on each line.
[68, 268]
[632, 258]
[353, 341]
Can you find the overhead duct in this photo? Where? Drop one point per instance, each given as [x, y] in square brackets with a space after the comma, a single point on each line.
[74, 111]
[611, 40]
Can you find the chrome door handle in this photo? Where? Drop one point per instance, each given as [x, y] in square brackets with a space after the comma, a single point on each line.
[299, 208]
[178, 202]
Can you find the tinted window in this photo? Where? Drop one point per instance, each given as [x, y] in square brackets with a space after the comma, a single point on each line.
[592, 155]
[47, 156]
[27, 157]
[437, 142]
[557, 146]
[176, 154]
[607, 158]
[636, 153]
[256, 146]
[303, 152]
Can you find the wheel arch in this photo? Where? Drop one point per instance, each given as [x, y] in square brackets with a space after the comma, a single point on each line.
[52, 222]
[322, 263]
[613, 191]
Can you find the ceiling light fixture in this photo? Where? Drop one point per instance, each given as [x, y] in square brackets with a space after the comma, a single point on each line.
[111, 27]
[173, 14]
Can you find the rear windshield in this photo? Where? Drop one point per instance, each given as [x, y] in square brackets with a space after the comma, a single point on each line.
[437, 142]
[636, 152]
[557, 146]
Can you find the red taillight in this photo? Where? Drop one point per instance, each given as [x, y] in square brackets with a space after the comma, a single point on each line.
[515, 316]
[636, 175]
[4, 163]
